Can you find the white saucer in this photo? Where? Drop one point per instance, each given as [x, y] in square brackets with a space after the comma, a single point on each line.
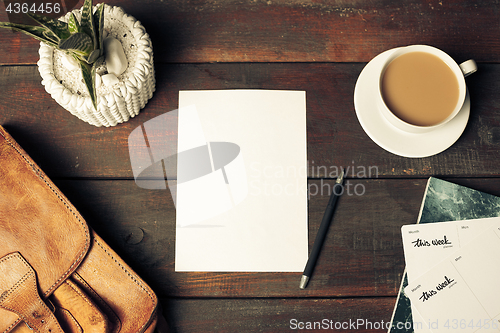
[392, 139]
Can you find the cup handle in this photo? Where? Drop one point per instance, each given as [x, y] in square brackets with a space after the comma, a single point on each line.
[468, 67]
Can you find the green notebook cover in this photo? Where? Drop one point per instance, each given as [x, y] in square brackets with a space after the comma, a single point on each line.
[443, 201]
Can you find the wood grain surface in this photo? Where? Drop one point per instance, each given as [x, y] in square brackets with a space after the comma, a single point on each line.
[362, 254]
[299, 31]
[280, 315]
[320, 47]
[71, 148]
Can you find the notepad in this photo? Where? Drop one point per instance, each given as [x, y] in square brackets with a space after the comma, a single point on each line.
[425, 245]
[247, 209]
[442, 201]
[458, 290]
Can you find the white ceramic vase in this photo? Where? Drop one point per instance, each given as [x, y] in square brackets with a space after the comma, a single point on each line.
[119, 102]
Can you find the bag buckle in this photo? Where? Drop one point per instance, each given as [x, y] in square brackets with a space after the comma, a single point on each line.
[19, 294]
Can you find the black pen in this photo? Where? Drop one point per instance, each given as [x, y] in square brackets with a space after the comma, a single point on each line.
[323, 228]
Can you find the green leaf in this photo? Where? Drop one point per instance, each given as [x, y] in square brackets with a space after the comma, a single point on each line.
[59, 28]
[99, 27]
[88, 74]
[79, 57]
[78, 43]
[93, 56]
[73, 24]
[87, 21]
[34, 32]
[50, 35]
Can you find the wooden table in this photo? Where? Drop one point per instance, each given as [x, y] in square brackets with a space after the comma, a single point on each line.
[316, 46]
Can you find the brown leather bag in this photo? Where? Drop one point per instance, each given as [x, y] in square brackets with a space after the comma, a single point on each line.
[56, 274]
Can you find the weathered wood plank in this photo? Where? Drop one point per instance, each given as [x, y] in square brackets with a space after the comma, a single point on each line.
[298, 31]
[67, 147]
[362, 254]
[279, 315]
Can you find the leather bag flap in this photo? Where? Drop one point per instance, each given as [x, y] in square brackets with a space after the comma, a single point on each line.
[37, 221]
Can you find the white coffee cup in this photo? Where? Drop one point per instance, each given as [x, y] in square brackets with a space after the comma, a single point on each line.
[461, 71]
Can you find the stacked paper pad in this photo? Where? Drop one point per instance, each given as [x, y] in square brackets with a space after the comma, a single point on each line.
[453, 270]
[429, 302]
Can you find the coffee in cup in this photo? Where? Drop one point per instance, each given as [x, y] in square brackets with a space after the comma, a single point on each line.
[421, 88]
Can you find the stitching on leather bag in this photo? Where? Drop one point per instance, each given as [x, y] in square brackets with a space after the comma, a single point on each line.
[125, 270]
[68, 314]
[8, 257]
[13, 325]
[14, 287]
[21, 280]
[24, 278]
[84, 297]
[87, 236]
[98, 299]
[133, 279]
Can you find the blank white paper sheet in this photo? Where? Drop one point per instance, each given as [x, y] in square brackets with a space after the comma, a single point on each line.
[241, 202]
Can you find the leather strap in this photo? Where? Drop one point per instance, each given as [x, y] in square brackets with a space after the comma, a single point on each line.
[19, 294]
